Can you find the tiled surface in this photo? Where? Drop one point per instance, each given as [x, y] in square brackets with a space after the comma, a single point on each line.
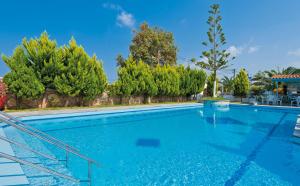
[11, 173]
[297, 128]
[93, 110]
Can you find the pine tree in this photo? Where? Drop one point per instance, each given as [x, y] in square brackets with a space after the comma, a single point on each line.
[215, 58]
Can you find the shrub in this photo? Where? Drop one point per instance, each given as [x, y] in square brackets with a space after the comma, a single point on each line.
[167, 80]
[3, 96]
[241, 84]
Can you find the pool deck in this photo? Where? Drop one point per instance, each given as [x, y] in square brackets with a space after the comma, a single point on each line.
[98, 109]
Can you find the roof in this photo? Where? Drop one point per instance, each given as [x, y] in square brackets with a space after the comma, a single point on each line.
[286, 77]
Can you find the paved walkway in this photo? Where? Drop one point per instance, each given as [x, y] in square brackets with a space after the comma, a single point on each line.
[93, 109]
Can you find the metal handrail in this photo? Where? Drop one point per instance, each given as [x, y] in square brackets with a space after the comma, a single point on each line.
[66, 148]
[38, 131]
[23, 146]
[49, 139]
[44, 169]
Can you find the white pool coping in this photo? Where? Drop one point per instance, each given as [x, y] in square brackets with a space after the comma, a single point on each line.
[78, 113]
[11, 173]
[297, 128]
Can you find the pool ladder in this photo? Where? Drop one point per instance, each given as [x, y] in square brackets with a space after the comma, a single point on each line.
[16, 123]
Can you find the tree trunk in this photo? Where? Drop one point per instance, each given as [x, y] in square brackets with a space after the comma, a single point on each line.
[215, 85]
[66, 101]
[18, 102]
[147, 99]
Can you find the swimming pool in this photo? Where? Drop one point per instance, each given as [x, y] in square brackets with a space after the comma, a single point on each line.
[199, 145]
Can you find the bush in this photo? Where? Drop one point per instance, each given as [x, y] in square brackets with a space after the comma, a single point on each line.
[241, 84]
[3, 96]
[167, 80]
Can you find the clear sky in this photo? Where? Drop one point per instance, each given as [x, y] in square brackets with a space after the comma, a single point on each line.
[263, 34]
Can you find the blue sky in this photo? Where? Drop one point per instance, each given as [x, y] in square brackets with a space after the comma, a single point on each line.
[263, 34]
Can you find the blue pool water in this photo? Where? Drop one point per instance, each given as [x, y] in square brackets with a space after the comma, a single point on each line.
[239, 145]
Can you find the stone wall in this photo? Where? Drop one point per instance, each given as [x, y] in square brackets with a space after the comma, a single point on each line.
[52, 99]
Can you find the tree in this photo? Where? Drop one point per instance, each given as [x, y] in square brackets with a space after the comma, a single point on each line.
[215, 58]
[197, 81]
[21, 80]
[241, 84]
[184, 80]
[120, 60]
[127, 83]
[93, 78]
[210, 84]
[167, 80]
[227, 83]
[80, 75]
[153, 46]
[146, 83]
[191, 81]
[135, 79]
[41, 56]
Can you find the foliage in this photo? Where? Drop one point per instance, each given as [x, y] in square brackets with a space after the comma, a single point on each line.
[113, 89]
[38, 64]
[153, 46]
[135, 79]
[256, 90]
[41, 56]
[241, 84]
[127, 83]
[24, 84]
[22, 80]
[227, 83]
[167, 80]
[263, 79]
[215, 58]
[146, 84]
[80, 75]
[197, 83]
[184, 80]
[120, 60]
[210, 84]
[291, 70]
[191, 81]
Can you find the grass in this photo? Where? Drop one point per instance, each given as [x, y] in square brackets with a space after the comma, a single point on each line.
[86, 107]
[213, 99]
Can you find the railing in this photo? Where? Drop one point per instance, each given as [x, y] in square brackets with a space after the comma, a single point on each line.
[10, 117]
[24, 162]
[23, 146]
[14, 122]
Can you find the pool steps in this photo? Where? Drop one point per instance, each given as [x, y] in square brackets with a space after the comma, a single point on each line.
[297, 128]
[36, 177]
[11, 173]
[40, 136]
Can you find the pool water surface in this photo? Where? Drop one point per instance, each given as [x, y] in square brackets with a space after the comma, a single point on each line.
[239, 145]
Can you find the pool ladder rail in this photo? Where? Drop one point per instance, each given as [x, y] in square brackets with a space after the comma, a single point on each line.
[16, 123]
